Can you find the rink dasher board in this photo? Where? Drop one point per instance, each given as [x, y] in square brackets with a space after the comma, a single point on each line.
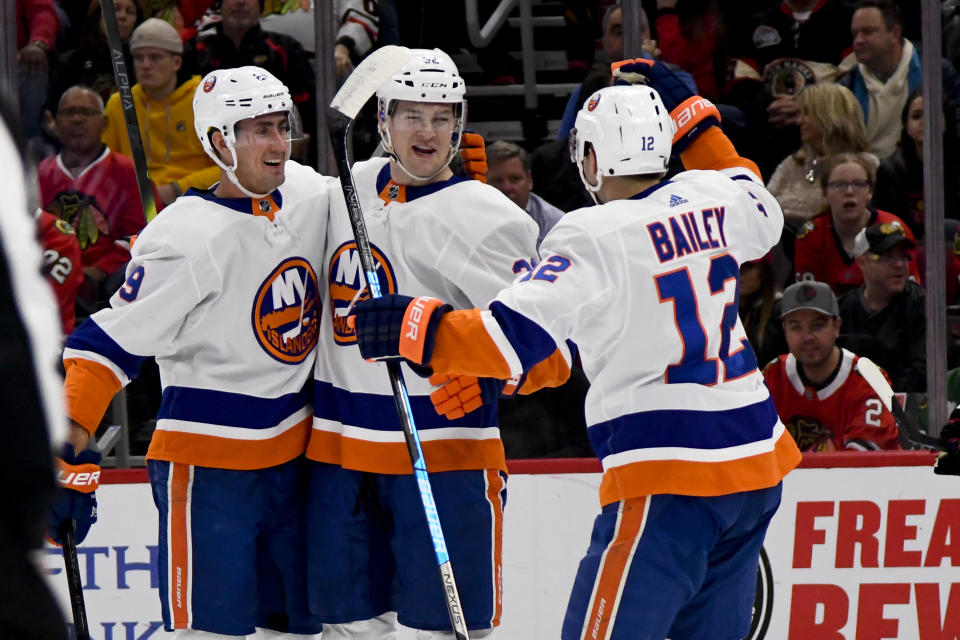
[860, 551]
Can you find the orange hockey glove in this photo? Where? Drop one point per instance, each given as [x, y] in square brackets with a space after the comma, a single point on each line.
[459, 395]
[473, 150]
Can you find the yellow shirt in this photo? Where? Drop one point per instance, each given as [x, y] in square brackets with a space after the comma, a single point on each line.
[170, 144]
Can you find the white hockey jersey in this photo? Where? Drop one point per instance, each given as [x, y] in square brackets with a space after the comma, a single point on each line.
[228, 302]
[647, 289]
[459, 240]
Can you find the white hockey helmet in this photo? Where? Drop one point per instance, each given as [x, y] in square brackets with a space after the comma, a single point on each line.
[429, 76]
[225, 97]
[629, 129]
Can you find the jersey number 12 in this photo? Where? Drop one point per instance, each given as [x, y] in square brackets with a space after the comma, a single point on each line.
[695, 366]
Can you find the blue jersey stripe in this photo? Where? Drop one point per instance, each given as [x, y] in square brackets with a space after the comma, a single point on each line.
[684, 428]
[373, 411]
[229, 409]
[90, 337]
[530, 342]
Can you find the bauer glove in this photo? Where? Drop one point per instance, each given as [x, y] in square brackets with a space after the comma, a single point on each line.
[473, 150]
[78, 475]
[692, 114]
[394, 326]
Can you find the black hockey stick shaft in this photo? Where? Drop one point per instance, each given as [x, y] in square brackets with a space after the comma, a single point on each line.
[122, 77]
[339, 128]
[72, 565]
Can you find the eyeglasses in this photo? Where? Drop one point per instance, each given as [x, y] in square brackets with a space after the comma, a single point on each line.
[86, 112]
[843, 185]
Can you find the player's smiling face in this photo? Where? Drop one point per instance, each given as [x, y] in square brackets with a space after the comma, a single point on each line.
[421, 133]
[262, 147]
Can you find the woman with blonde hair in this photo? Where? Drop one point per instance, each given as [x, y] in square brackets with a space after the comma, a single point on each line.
[831, 122]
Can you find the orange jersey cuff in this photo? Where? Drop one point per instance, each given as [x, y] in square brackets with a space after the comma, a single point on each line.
[462, 346]
[88, 389]
[713, 150]
[552, 372]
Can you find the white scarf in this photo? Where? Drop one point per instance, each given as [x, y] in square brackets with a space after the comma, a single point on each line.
[886, 101]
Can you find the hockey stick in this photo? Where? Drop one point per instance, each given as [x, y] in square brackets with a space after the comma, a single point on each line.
[910, 435]
[358, 88]
[73, 580]
[129, 109]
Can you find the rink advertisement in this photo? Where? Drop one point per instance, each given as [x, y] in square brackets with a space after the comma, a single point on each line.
[855, 552]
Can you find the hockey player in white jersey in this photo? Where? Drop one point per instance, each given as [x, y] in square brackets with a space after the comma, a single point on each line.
[371, 556]
[646, 285]
[222, 288]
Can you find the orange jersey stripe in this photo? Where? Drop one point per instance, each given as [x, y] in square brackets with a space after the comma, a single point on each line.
[178, 533]
[614, 567]
[552, 372]
[393, 457]
[495, 485]
[463, 346]
[700, 478]
[713, 150]
[228, 453]
[88, 389]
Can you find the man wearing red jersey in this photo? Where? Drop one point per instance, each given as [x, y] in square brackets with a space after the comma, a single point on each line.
[92, 188]
[817, 389]
[61, 264]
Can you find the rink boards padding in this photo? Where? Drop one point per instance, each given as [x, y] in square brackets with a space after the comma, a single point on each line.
[865, 545]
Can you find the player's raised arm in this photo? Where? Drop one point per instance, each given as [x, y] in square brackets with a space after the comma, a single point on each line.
[698, 137]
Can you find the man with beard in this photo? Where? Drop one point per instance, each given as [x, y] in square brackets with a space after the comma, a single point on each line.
[819, 393]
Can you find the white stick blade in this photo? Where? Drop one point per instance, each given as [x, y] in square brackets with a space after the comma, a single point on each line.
[364, 81]
[871, 373]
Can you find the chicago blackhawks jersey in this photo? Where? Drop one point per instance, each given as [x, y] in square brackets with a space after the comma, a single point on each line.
[102, 205]
[647, 289]
[846, 412]
[458, 240]
[819, 254]
[61, 265]
[224, 292]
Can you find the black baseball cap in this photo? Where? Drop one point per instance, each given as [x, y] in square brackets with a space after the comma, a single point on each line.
[880, 238]
[809, 294]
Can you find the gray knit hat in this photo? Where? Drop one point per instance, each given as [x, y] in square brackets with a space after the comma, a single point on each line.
[156, 33]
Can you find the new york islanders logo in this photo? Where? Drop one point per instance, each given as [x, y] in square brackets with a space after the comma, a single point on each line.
[286, 316]
[348, 284]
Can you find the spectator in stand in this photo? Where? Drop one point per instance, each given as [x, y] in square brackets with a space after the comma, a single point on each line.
[360, 31]
[164, 103]
[775, 53]
[887, 71]
[612, 41]
[759, 294]
[830, 123]
[61, 264]
[508, 169]
[824, 249]
[690, 35]
[885, 318]
[239, 41]
[90, 62]
[37, 27]
[900, 176]
[93, 189]
[820, 396]
[550, 164]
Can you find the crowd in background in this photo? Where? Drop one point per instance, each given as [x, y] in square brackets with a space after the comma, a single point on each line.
[825, 95]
